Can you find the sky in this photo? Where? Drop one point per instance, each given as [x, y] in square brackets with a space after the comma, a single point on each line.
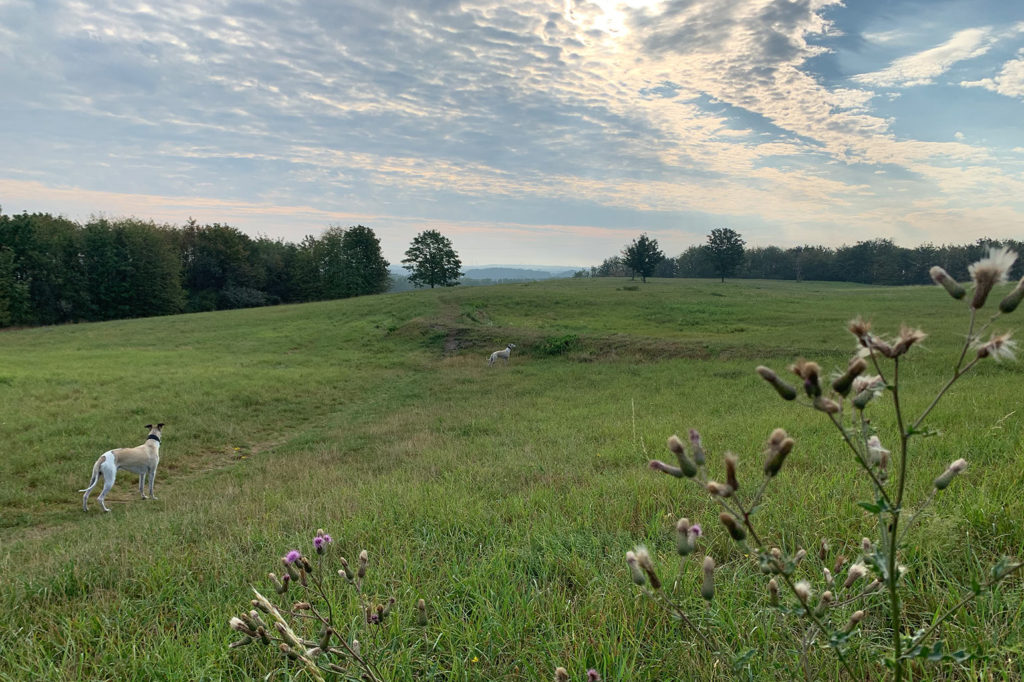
[527, 131]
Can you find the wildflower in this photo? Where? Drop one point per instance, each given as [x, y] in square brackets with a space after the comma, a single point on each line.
[809, 372]
[803, 591]
[907, 338]
[773, 592]
[999, 347]
[842, 383]
[839, 563]
[779, 445]
[869, 382]
[561, 675]
[866, 546]
[421, 612]
[476, 659]
[321, 541]
[800, 554]
[989, 271]
[279, 587]
[345, 570]
[1012, 300]
[730, 471]
[292, 556]
[707, 589]
[829, 580]
[947, 476]
[823, 549]
[698, 449]
[686, 467]
[942, 278]
[593, 676]
[786, 391]
[239, 625]
[855, 573]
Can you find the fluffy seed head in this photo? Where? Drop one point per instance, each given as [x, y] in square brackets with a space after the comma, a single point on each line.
[658, 465]
[999, 347]
[773, 592]
[860, 328]
[990, 271]
[785, 391]
[856, 572]
[951, 472]
[810, 373]
[842, 383]
[696, 447]
[907, 338]
[803, 591]
[561, 675]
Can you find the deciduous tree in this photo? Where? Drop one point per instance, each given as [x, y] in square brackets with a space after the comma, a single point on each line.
[642, 256]
[725, 249]
[432, 261]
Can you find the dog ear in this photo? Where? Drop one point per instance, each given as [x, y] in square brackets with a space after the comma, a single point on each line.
[149, 426]
[160, 425]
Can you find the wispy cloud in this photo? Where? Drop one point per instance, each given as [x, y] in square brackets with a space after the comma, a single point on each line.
[923, 67]
[617, 115]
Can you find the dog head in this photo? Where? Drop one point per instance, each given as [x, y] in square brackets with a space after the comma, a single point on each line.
[155, 430]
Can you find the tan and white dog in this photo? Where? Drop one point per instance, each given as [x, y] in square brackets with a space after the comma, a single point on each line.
[141, 460]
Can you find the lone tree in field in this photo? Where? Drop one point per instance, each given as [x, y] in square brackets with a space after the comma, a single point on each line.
[432, 261]
[725, 249]
[642, 256]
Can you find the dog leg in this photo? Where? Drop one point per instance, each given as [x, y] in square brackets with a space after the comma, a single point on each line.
[142, 485]
[152, 480]
[109, 476]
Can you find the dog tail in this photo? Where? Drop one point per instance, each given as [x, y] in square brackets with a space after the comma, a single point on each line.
[95, 475]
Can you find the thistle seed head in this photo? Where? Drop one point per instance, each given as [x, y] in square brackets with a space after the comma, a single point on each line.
[990, 271]
[943, 279]
[707, 589]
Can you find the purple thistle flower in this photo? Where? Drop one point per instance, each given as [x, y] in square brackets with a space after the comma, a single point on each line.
[292, 556]
[318, 542]
[327, 538]
[695, 530]
[593, 676]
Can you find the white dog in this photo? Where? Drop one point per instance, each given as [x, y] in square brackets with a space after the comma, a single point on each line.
[141, 460]
[503, 354]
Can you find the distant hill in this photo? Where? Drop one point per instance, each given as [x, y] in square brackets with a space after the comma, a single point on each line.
[481, 275]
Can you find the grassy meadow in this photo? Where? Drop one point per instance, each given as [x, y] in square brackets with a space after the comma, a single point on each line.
[504, 496]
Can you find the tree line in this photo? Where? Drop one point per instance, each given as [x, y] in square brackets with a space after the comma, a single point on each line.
[55, 270]
[876, 261]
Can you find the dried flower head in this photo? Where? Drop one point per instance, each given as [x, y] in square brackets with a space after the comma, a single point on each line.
[841, 384]
[907, 338]
[773, 592]
[561, 675]
[696, 447]
[786, 391]
[878, 455]
[658, 465]
[635, 572]
[943, 279]
[860, 328]
[643, 560]
[999, 347]
[803, 591]
[686, 467]
[855, 573]
[779, 445]
[951, 472]
[1012, 300]
[719, 489]
[730, 471]
[810, 373]
[707, 588]
[990, 271]
[736, 531]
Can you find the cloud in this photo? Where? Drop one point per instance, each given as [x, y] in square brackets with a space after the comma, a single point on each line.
[1009, 82]
[923, 67]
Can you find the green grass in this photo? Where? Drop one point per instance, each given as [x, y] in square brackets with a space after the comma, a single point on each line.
[505, 496]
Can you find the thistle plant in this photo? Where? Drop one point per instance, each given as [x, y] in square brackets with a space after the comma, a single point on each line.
[313, 634]
[834, 604]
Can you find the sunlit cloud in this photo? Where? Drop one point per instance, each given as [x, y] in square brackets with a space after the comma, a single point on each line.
[672, 116]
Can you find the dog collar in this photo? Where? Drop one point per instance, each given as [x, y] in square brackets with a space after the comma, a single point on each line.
[153, 437]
